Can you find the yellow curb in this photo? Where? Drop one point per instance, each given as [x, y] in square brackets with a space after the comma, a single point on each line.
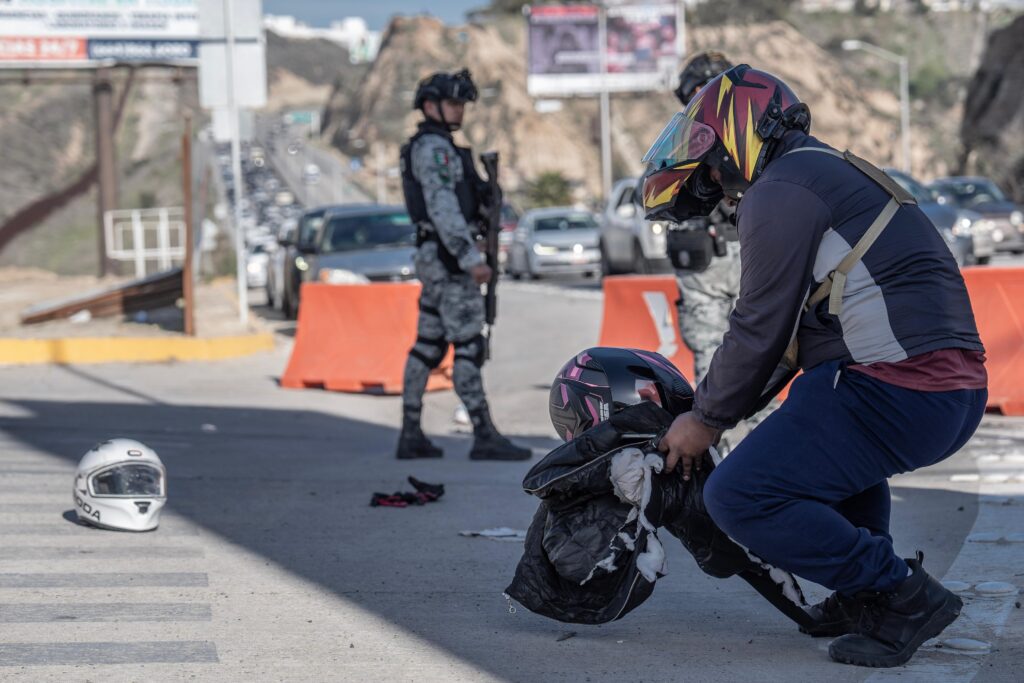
[130, 349]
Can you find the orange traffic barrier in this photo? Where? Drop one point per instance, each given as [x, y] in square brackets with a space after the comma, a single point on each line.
[997, 296]
[356, 338]
[640, 313]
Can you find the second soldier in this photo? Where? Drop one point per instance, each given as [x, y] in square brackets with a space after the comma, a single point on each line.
[446, 199]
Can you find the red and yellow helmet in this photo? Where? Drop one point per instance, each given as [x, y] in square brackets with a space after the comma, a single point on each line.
[732, 125]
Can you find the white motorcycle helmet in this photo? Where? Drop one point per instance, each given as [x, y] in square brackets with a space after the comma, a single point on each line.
[120, 484]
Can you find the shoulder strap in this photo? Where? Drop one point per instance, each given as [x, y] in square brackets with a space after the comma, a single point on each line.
[834, 284]
[877, 175]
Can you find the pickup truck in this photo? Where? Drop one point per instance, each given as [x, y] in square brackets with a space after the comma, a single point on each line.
[630, 244]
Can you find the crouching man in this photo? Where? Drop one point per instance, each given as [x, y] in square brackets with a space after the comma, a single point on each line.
[845, 278]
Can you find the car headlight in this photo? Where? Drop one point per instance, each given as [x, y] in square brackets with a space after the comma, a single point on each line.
[544, 250]
[984, 225]
[340, 276]
[1017, 218]
[301, 263]
[962, 226]
[657, 228]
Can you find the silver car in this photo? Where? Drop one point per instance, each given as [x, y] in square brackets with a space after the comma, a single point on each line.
[364, 243]
[629, 243]
[558, 240]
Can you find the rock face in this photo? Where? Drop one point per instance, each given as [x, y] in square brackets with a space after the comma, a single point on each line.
[305, 73]
[992, 130]
[375, 120]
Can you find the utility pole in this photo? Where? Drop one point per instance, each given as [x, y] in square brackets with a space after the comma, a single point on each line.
[188, 293]
[236, 165]
[606, 133]
[904, 68]
[103, 100]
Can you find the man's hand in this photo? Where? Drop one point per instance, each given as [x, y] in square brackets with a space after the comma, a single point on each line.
[685, 442]
[480, 273]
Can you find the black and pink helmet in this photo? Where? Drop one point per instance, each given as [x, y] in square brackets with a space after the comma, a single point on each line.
[601, 381]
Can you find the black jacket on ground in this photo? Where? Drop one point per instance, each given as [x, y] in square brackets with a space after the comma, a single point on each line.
[565, 572]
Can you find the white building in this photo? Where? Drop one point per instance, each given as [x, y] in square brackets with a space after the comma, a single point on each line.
[351, 32]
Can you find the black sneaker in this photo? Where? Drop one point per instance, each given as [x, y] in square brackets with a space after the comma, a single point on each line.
[834, 616]
[415, 444]
[893, 625]
[496, 447]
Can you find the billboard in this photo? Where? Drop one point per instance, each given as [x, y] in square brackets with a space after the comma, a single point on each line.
[85, 33]
[563, 40]
[640, 50]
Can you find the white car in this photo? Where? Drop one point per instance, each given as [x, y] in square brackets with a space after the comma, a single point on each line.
[629, 243]
[559, 240]
[311, 174]
[256, 263]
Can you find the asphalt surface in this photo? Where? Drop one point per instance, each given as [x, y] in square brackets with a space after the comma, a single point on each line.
[271, 565]
[291, 153]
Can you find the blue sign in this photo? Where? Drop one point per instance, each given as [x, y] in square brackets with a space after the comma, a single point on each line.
[143, 50]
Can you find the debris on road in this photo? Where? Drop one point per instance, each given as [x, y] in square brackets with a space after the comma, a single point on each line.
[425, 493]
[502, 533]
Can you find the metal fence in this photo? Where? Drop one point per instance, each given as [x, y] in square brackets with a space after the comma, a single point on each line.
[154, 239]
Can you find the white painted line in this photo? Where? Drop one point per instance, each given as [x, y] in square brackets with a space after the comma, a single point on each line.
[50, 654]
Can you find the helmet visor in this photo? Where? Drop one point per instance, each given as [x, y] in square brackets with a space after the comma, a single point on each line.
[128, 479]
[682, 142]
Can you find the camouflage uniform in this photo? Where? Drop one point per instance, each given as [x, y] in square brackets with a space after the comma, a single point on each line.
[451, 304]
[706, 300]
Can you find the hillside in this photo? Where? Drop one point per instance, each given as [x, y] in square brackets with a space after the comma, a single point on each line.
[567, 140]
[47, 134]
[992, 131]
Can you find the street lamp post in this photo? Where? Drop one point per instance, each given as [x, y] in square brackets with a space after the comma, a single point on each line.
[901, 61]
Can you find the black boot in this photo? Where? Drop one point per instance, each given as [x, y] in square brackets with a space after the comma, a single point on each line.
[488, 444]
[893, 625]
[836, 615]
[413, 443]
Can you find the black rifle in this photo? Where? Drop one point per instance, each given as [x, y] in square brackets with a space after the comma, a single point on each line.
[490, 162]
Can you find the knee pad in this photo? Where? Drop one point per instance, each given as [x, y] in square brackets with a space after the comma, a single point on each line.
[472, 350]
[429, 351]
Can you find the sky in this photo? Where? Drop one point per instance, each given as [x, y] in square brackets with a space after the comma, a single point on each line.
[375, 12]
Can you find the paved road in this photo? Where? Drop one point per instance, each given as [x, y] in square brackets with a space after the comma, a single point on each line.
[334, 185]
[272, 566]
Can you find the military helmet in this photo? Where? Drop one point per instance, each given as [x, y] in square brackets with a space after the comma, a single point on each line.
[698, 71]
[457, 86]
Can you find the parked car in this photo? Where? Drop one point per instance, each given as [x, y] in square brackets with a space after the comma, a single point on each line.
[363, 243]
[295, 248]
[965, 233]
[509, 221]
[555, 240]
[311, 174]
[276, 269]
[629, 243]
[256, 260]
[1004, 218]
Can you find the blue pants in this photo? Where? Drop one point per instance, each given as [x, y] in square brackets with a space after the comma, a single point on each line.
[807, 489]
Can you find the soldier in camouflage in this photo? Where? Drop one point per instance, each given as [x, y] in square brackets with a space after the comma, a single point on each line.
[445, 198]
[706, 254]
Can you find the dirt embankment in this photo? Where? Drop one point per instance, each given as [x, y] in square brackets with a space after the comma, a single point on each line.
[379, 115]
